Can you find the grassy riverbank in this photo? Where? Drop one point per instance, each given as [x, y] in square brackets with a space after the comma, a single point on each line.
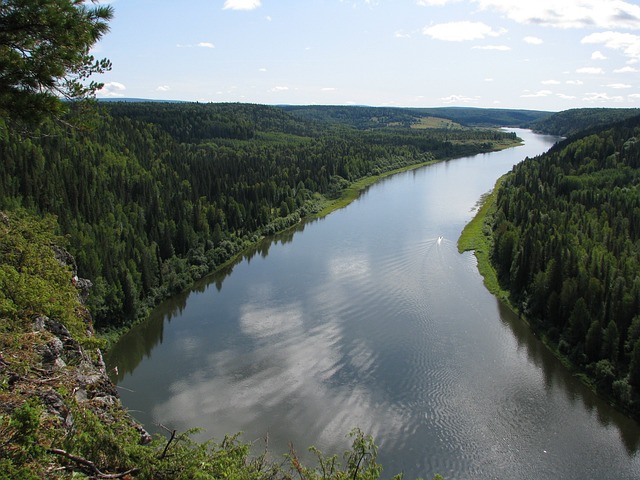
[476, 236]
[353, 191]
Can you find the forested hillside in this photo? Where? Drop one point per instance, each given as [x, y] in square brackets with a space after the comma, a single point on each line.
[567, 246]
[379, 117]
[156, 195]
[572, 122]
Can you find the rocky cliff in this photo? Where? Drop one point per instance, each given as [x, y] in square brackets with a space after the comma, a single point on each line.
[59, 412]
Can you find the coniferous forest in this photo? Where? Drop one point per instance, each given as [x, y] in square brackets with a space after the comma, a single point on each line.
[153, 196]
[567, 247]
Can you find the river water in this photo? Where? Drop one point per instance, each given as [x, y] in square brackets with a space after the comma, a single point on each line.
[370, 318]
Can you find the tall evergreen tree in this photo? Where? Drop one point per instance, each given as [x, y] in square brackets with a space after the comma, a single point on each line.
[44, 55]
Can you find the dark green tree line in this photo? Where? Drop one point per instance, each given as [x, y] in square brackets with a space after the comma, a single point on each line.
[567, 246]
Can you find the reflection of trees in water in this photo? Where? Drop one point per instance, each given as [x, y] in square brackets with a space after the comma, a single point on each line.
[140, 341]
[555, 374]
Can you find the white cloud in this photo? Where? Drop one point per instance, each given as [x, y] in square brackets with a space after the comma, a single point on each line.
[163, 88]
[533, 40]
[501, 48]
[618, 85]
[635, 96]
[565, 97]
[628, 43]
[241, 4]
[569, 13]
[538, 94]
[458, 99]
[598, 55]
[601, 97]
[279, 89]
[432, 3]
[550, 82]
[112, 89]
[328, 89]
[197, 45]
[626, 69]
[574, 82]
[590, 70]
[349, 267]
[461, 31]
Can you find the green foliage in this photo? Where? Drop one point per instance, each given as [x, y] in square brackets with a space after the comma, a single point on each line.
[477, 236]
[365, 118]
[182, 458]
[44, 55]
[572, 122]
[567, 246]
[32, 280]
[19, 444]
[25, 422]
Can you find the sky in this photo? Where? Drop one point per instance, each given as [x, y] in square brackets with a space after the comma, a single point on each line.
[547, 55]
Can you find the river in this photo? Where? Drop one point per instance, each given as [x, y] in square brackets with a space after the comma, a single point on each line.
[370, 318]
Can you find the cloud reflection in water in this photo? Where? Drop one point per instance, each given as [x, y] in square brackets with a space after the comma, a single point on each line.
[287, 386]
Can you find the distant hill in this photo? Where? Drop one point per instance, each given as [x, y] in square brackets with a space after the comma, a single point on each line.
[362, 117]
[487, 117]
[571, 122]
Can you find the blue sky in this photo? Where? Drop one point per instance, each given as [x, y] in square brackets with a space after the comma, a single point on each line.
[542, 54]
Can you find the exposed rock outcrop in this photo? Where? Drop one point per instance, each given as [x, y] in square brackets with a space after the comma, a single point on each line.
[59, 411]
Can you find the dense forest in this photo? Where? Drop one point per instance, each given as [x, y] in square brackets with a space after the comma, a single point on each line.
[156, 195]
[381, 117]
[567, 247]
[577, 120]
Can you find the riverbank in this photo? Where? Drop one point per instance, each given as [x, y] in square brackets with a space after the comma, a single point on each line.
[477, 237]
[352, 192]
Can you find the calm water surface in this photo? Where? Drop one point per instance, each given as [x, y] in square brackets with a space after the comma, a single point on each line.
[366, 318]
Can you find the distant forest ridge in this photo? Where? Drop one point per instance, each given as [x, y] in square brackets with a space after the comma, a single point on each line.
[564, 123]
[582, 120]
[372, 117]
[365, 117]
